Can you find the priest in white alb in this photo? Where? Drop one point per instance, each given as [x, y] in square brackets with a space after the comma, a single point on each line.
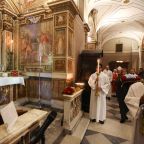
[132, 99]
[100, 85]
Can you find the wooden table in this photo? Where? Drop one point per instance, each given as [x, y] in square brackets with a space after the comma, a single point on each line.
[22, 127]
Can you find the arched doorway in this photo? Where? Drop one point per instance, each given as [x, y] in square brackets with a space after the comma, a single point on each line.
[115, 64]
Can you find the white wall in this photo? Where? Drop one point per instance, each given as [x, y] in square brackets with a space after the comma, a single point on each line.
[129, 45]
[129, 54]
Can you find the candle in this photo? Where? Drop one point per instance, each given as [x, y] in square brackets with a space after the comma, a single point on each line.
[98, 65]
[11, 48]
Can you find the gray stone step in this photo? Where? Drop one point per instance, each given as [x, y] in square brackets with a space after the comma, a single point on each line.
[81, 128]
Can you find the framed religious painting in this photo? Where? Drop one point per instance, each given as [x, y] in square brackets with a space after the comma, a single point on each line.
[1, 66]
[59, 65]
[60, 19]
[7, 51]
[1, 22]
[71, 21]
[91, 46]
[1, 27]
[60, 42]
[36, 45]
[70, 43]
[70, 66]
[8, 41]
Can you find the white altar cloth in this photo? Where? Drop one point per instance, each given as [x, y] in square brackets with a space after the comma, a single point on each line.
[11, 81]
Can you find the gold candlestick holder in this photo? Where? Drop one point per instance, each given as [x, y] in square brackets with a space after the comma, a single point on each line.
[97, 87]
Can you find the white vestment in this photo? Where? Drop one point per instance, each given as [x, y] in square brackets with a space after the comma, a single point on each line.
[138, 136]
[98, 103]
[133, 96]
[110, 75]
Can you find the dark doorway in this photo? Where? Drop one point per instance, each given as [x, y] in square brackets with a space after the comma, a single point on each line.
[115, 64]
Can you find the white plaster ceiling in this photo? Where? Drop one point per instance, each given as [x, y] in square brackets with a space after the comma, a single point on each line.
[118, 19]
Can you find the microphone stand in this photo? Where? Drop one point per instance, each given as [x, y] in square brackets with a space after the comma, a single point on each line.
[40, 57]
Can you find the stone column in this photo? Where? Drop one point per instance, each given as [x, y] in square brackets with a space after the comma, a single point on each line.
[140, 56]
[6, 26]
[16, 45]
[63, 48]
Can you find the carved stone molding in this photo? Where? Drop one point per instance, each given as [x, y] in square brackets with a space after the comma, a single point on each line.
[72, 110]
[2, 3]
[7, 26]
[5, 10]
[41, 17]
[64, 5]
[71, 21]
[7, 18]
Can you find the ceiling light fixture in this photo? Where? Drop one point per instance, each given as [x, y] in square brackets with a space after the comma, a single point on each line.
[125, 1]
[119, 61]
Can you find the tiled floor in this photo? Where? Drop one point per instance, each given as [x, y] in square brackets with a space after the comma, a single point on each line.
[54, 133]
[112, 131]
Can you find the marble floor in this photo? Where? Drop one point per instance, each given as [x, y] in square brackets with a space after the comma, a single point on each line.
[55, 132]
[111, 132]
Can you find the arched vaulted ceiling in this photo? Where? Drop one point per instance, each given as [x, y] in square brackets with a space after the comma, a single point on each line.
[26, 6]
[118, 18]
[115, 18]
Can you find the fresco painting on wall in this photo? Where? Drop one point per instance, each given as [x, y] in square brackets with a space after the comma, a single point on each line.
[70, 43]
[60, 42]
[8, 41]
[8, 51]
[35, 44]
[1, 26]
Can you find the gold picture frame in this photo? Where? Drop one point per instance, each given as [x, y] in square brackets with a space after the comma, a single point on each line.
[60, 42]
[60, 19]
[59, 65]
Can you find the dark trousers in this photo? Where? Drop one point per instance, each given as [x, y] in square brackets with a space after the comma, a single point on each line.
[121, 93]
[85, 100]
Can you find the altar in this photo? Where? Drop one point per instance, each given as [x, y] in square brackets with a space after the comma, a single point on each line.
[6, 88]
[11, 81]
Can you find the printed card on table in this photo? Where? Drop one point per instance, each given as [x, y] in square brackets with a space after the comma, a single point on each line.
[9, 115]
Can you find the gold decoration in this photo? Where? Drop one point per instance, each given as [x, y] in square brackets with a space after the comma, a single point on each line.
[97, 87]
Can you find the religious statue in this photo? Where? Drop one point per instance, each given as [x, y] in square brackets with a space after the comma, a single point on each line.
[92, 22]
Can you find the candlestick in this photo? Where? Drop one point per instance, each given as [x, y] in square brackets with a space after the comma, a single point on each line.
[98, 65]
